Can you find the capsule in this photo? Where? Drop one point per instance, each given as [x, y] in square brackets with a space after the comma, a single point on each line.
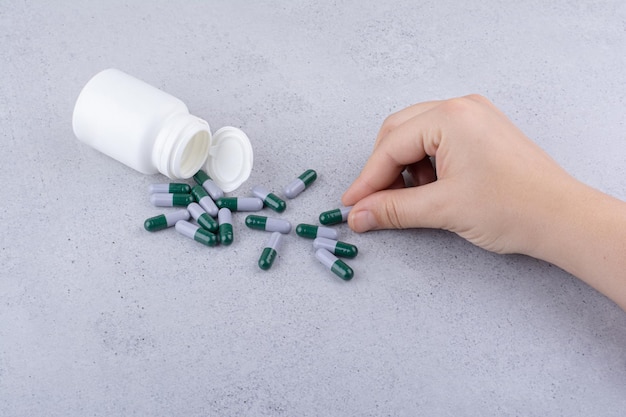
[202, 217]
[225, 221]
[204, 200]
[270, 251]
[270, 200]
[196, 233]
[295, 187]
[337, 266]
[269, 224]
[310, 231]
[335, 216]
[343, 249]
[240, 203]
[171, 199]
[173, 188]
[203, 179]
[163, 221]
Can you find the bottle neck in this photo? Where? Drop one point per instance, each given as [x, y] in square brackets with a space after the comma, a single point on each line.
[182, 146]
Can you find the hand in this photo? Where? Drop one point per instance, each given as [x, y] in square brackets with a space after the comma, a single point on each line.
[494, 186]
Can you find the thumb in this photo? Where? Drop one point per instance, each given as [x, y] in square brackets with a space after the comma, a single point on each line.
[424, 206]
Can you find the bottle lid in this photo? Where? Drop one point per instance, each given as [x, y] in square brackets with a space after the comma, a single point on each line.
[230, 158]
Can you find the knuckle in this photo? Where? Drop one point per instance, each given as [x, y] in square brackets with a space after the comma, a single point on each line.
[456, 106]
[392, 214]
[463, 107]
[478, 98]
[389, 124]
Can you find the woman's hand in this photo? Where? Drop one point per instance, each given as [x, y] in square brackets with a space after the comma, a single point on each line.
[493, 186]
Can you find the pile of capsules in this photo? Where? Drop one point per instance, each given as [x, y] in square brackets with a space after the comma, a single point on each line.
[212, 212]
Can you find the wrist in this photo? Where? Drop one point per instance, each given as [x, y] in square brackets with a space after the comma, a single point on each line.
[584, 233]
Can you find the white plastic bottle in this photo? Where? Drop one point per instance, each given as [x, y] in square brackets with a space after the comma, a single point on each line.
[152, 131]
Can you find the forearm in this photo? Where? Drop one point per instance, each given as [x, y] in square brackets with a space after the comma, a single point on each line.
[495, 187]
[587, 237]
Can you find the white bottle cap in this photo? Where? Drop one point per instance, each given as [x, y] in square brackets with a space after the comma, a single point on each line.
[229, 163]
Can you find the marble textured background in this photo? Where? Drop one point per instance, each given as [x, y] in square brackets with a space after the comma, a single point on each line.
[99, 317]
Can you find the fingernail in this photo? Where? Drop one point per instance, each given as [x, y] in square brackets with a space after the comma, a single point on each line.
[364, 221]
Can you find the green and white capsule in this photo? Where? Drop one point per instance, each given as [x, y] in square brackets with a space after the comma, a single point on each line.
[225, 220]
[335, 216]
[337, 266]
[270, 251]
[310, 231]
[203, 179]
[171, 199]
[295, 187]
[240, 203]
[204, 200]
[342, 249]
[270, 200]
[202, 217]
[173, 188]
[269, 224]
[196, 233]
[164, 221]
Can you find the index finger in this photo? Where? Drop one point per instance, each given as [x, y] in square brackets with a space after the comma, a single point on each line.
[400, 117]
[408, 143]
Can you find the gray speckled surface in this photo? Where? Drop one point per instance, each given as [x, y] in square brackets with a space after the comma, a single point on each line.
[99, 317]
